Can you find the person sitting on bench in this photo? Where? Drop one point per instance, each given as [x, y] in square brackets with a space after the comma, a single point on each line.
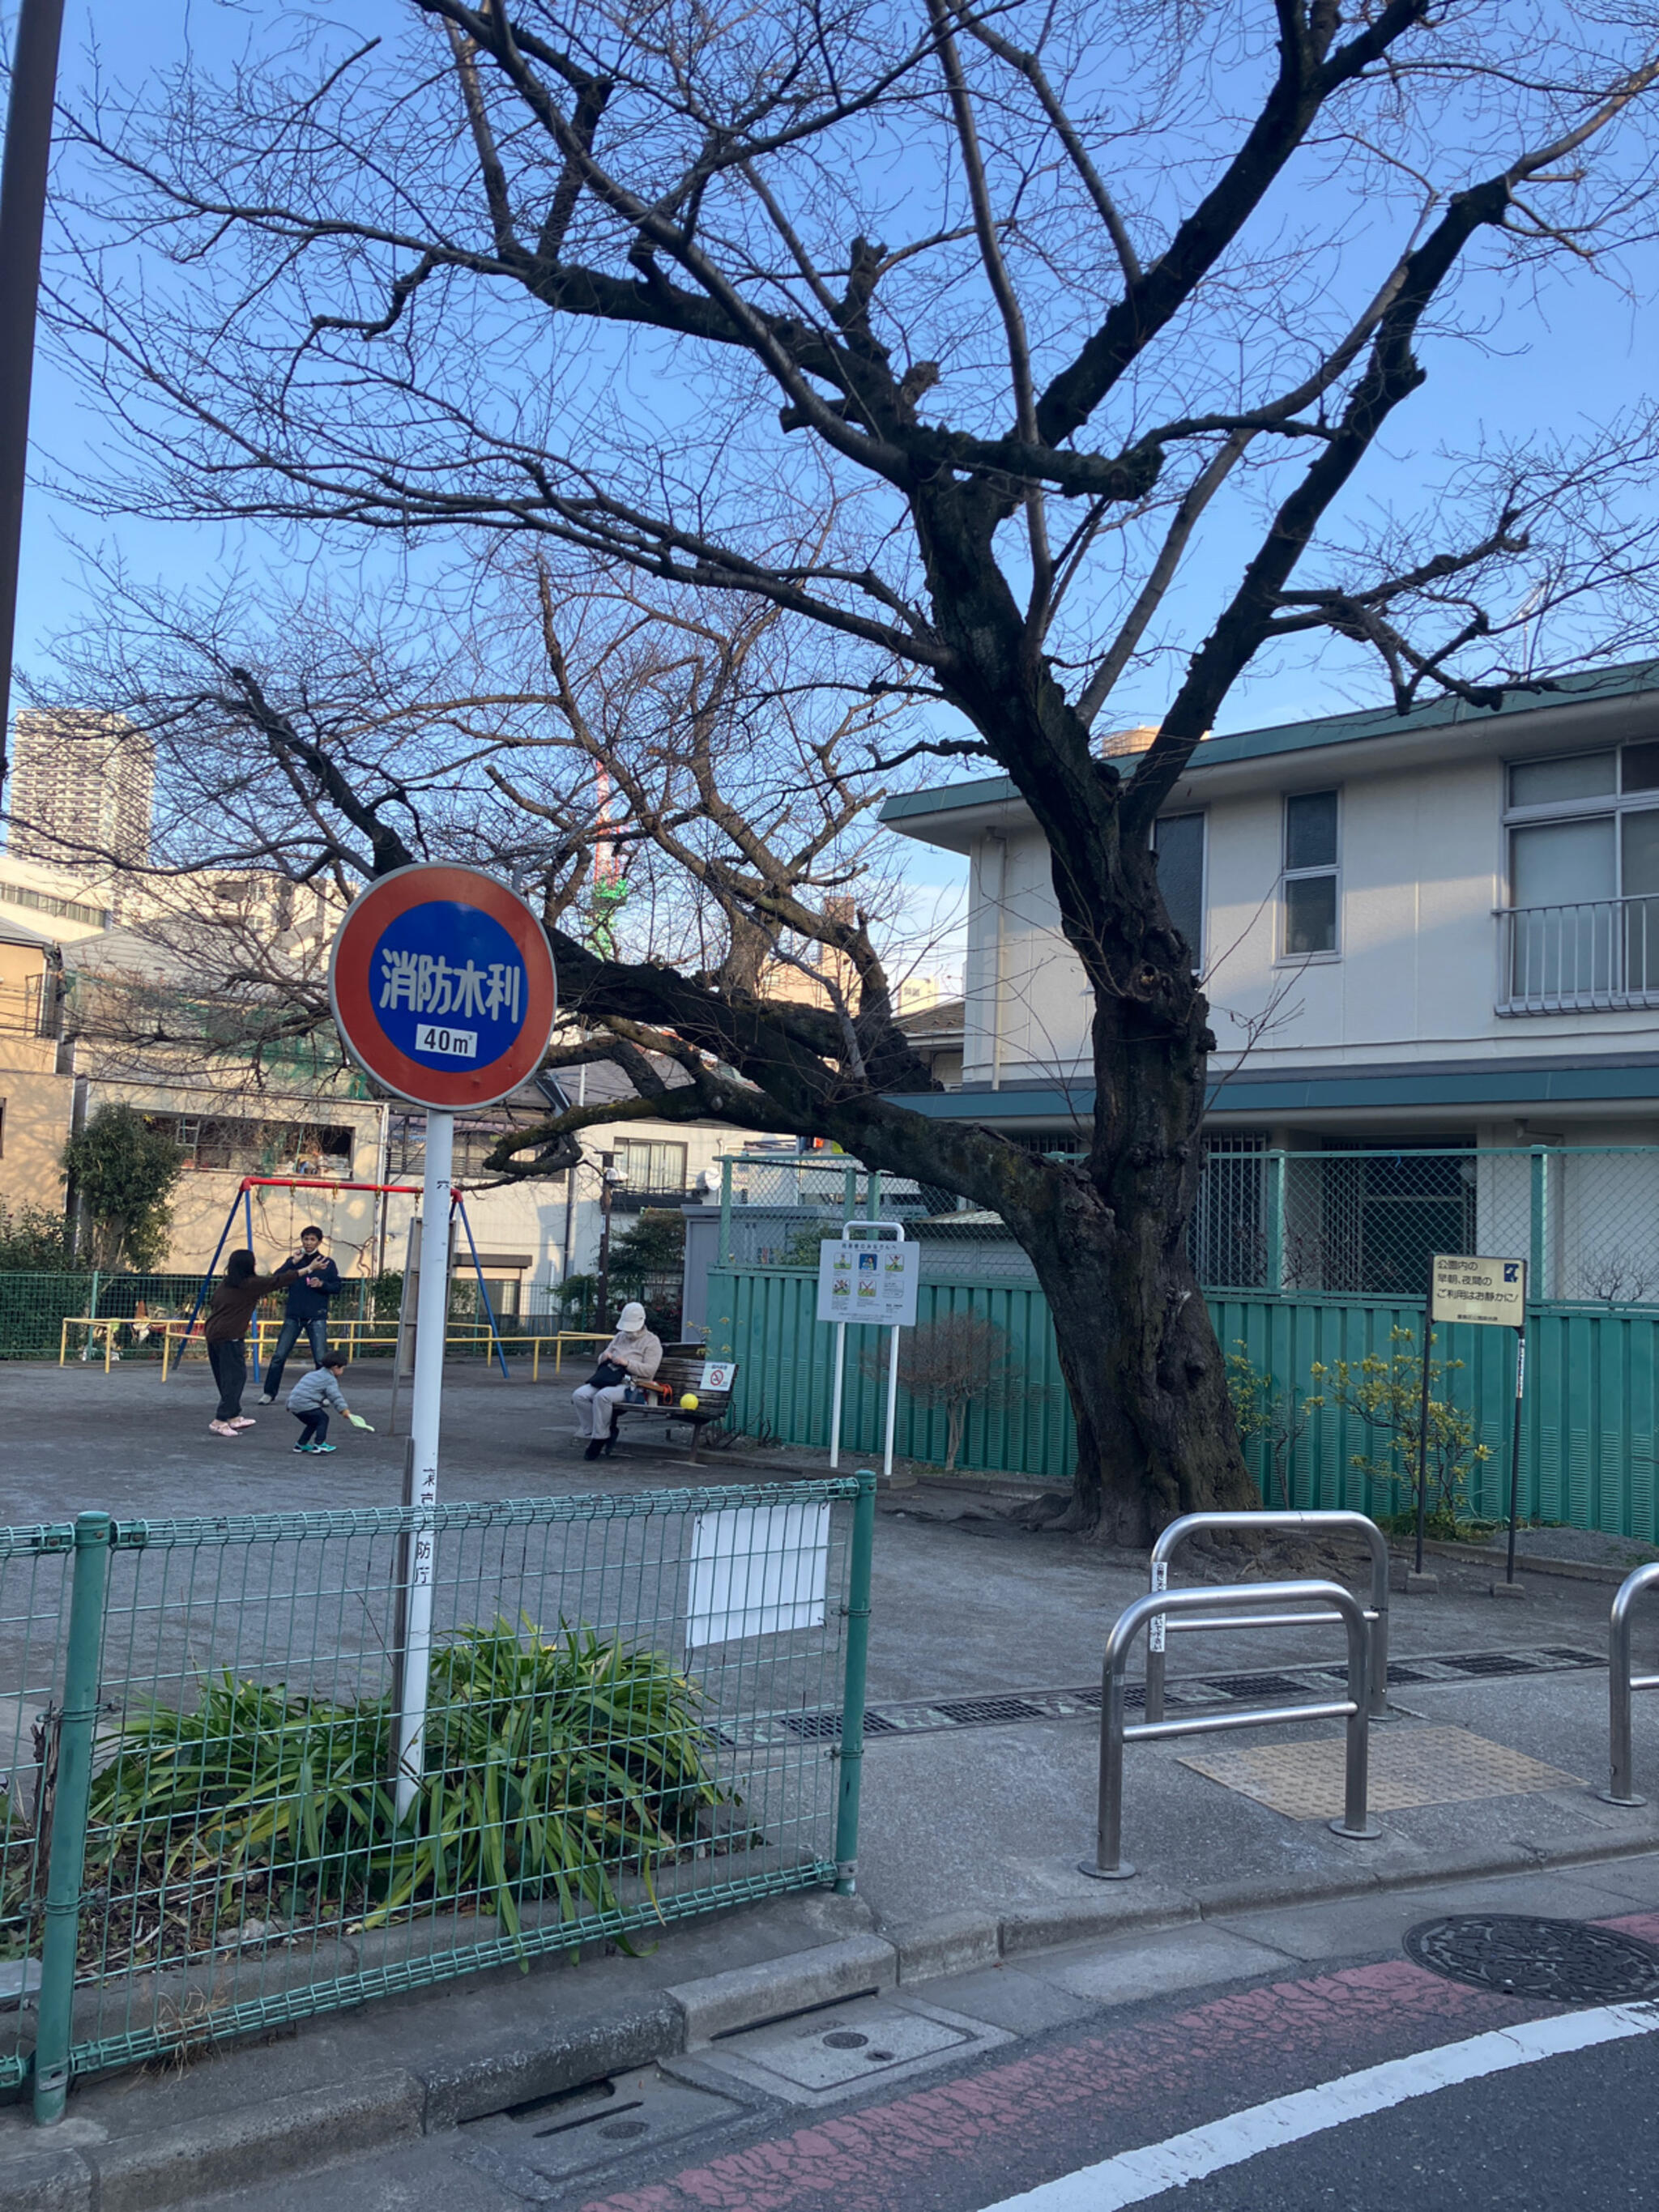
[632, 1357]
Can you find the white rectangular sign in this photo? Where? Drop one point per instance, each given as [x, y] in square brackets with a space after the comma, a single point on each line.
[757, 1570]
[1492, 1291]
[874, 1282]
[717, 1375]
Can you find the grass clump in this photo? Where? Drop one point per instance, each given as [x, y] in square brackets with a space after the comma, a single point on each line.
[551, 1768]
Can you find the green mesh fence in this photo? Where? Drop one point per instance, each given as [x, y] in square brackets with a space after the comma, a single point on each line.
[636, 1709]
[1359, 1220]
[34, 1585]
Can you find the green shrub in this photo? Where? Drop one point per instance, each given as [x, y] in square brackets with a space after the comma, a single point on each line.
[550, 1769]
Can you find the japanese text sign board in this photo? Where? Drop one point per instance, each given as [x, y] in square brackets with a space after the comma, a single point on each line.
[1490, 1292]
[873, 1283]
[442, 987]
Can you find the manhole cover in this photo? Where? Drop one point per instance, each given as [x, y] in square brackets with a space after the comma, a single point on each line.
[1567, 1961]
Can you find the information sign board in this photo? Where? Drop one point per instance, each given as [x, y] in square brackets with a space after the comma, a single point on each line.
[1492, 1293]
[874, 1283]
[442, 987]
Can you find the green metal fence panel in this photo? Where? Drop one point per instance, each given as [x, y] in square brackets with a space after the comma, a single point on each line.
[35, 1566]
[1591, 1421]
[635, 1707]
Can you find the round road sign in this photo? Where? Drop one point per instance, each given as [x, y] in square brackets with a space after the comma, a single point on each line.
[442, 988]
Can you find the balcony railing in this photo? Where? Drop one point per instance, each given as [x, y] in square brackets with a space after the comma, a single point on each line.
[20, 1008]
[1593, 955]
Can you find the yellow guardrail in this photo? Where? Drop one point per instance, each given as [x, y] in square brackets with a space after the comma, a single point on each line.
[176, 1337]
[353, 1336]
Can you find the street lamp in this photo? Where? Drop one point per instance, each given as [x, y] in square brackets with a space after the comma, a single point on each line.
[612, 1180]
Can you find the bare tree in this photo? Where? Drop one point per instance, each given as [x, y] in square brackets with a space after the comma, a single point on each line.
[949, 333]
[955, 1363]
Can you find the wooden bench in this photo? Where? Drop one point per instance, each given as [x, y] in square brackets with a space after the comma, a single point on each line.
[683, 1369]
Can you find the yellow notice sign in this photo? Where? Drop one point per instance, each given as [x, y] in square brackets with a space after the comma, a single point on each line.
[1492, 1290]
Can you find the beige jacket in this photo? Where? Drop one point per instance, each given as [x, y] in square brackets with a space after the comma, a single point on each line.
[641, 1355]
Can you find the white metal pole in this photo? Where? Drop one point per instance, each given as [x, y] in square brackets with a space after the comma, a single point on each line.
[834, 1401]
[426, 1402]
[892, 1402]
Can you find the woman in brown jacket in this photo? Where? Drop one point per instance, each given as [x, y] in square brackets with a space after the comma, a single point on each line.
[226, 1336]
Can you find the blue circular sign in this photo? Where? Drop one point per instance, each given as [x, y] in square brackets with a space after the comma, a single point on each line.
[449, 985]
[441, 981]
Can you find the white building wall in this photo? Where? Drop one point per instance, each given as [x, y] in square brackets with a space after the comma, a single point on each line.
[1415, 976]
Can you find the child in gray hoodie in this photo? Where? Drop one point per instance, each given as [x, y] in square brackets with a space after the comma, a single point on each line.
[313, 1398]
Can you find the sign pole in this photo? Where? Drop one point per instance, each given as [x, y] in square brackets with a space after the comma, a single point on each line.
[1423, 1439]
[834, 1396]
[421, 1492]
[1515, 1447]
[892, 1400]
[1467, 1287]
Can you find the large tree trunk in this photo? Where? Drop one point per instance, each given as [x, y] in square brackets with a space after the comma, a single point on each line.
[1144, 1373]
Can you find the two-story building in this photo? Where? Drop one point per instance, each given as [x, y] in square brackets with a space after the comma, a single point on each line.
[1436, 931]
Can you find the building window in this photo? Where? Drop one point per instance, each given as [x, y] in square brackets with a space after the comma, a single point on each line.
[651, 1166]
[307, 1149]
[1178, 840]
[1310, 894]
[1583, 859]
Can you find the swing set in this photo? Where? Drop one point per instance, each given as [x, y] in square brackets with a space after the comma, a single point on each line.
[252, 1190]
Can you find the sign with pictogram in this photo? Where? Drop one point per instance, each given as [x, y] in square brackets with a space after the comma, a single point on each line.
[442, 985]
[1492, 1293]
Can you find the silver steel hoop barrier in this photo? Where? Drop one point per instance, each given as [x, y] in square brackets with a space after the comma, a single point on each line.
[1304, 1524]
[1355, 1823]
[1621, 1683]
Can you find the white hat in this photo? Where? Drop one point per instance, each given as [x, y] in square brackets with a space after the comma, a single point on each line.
[631, 1320]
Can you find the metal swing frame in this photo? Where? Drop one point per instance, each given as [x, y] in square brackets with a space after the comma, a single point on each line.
[244, 1199]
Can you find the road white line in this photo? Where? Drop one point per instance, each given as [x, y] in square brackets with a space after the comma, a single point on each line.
[1136, 2175]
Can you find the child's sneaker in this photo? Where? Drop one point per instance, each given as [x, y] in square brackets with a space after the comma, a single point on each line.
[305, 1448]
[323, 1448]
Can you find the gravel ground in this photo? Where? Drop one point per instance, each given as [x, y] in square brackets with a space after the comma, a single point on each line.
[1587, 1544]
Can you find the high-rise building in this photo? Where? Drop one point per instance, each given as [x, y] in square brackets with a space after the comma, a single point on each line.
[79, 790]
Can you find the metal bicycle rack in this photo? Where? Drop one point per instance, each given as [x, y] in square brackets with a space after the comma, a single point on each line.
[1337, 1604]
[1621, 1684]
[1306, 1524]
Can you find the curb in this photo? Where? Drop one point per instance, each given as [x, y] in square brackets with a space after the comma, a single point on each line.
[84, 2165]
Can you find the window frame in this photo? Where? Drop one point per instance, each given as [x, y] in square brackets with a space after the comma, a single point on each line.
[1284, 958]
[1602, 806]
[651, 1189]
[1201, 816]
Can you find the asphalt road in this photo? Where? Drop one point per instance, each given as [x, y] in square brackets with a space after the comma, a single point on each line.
[1209, 2088]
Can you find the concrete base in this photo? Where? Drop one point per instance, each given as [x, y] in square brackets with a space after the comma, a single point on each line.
[1509, 1589]
[1423, 1585]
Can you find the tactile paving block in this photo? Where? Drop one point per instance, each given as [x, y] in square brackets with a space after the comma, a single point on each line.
[1408, 1766]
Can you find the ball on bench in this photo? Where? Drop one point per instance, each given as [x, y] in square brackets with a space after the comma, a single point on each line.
[688, 1402]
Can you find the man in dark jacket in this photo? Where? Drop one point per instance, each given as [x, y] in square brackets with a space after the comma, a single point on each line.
[307, 1311]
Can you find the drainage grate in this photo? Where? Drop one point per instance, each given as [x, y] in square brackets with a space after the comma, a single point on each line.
[1564, 1962]
[1493, 1663]
[922, 1717]
[984, 1712]
[1250, 1687]
[822, 1728]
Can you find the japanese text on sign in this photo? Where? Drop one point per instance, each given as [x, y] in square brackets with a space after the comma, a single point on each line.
[871, 1283]
[425, 984]
[1489, 1292]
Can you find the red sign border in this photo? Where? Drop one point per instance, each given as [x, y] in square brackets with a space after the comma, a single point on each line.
[351, 1002]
